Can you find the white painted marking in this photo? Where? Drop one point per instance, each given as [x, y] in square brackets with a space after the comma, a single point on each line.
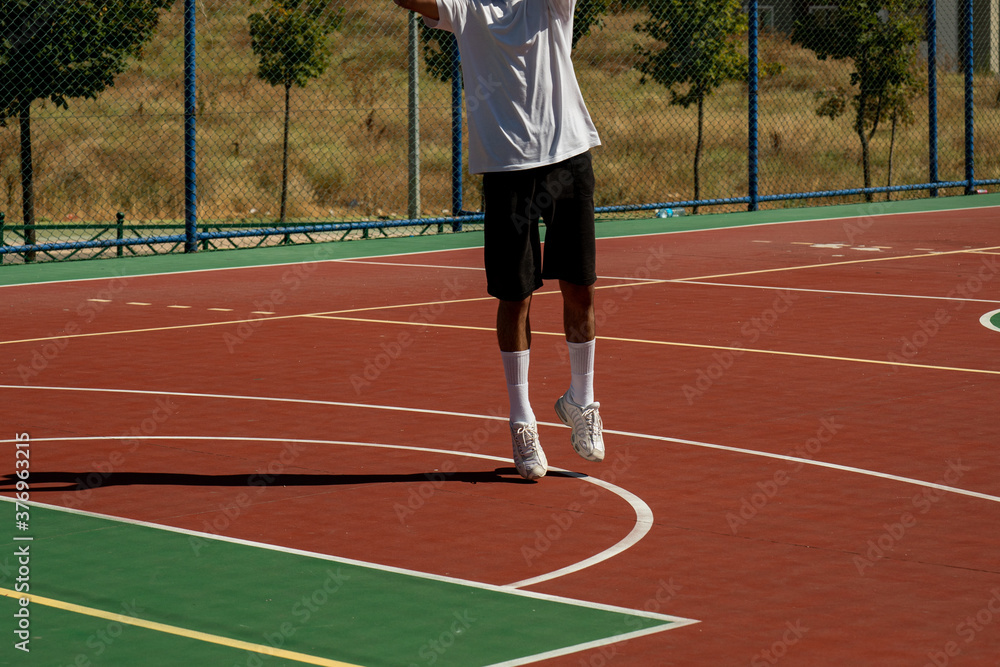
[677, 621]
[985, 320]
[859, 216]
[643, 512]
[222, 310]
[137, 303]
[419, 266]
[643, 524]
[643, 436]
[831, 291]
[178, 306]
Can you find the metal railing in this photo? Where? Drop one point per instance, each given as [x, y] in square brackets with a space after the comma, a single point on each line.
[187, 142]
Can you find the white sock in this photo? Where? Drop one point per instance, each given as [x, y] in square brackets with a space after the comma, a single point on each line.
[515, 368]
[581, 365]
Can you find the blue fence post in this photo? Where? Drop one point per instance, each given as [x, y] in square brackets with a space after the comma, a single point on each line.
[970, 167]
[752, 89]
[456, 138]
[932, 101]
[120, 232]
[190, 134]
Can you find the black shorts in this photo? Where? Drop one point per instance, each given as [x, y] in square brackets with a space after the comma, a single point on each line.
[562, 195]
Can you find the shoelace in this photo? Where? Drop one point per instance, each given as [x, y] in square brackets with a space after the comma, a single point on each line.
[594, 423]
[524, 449]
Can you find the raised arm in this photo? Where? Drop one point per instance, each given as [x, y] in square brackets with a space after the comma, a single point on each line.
[426, 8]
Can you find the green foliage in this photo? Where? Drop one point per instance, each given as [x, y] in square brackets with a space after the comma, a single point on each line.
[588, 15]
[290, 38]
[880, 39]
[57, 49]
[440, 49]
[698, 51]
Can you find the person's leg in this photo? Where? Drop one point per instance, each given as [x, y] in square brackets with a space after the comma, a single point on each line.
[578, 312]
[578, 321]
[514, 325]
[570, 256]
[513, 271]
[514, 339]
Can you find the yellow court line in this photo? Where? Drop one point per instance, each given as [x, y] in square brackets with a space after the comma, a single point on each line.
[196, 325]
[174, 630]
[414, 324]
[849, 261]
[643, 341]
[150, 329]
[486, 298]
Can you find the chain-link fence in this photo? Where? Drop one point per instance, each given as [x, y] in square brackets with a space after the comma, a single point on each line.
[311, 120]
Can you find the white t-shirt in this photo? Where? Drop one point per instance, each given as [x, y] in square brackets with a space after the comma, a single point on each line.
[523, 101]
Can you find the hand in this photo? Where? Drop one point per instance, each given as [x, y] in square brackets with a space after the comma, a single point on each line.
[426, 8]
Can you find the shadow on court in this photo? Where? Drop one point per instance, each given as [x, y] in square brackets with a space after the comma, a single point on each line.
[82, 481]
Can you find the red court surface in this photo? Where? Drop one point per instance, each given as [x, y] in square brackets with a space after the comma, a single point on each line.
[801, 422]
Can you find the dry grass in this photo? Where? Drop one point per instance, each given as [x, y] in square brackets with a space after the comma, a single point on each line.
[124, 150]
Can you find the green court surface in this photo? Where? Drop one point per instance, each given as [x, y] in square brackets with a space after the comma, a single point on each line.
[110, 592]
[16, 274]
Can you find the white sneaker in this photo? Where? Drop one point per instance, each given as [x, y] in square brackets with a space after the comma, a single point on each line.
[587, 436]
[529, 459]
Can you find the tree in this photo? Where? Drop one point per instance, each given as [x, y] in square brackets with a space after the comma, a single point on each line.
[290, 39]
[699, 53]
[59, 50]
[588, 15]
[880, 37]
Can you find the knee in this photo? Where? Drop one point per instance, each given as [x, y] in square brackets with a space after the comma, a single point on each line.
[580, 296]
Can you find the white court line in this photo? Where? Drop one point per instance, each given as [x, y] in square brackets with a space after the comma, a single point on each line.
[643, 512]
[986, 320]
[419, 266]
[677, 621]
[685, 281]
[479, 268]
[643, 436]
[320, 260]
